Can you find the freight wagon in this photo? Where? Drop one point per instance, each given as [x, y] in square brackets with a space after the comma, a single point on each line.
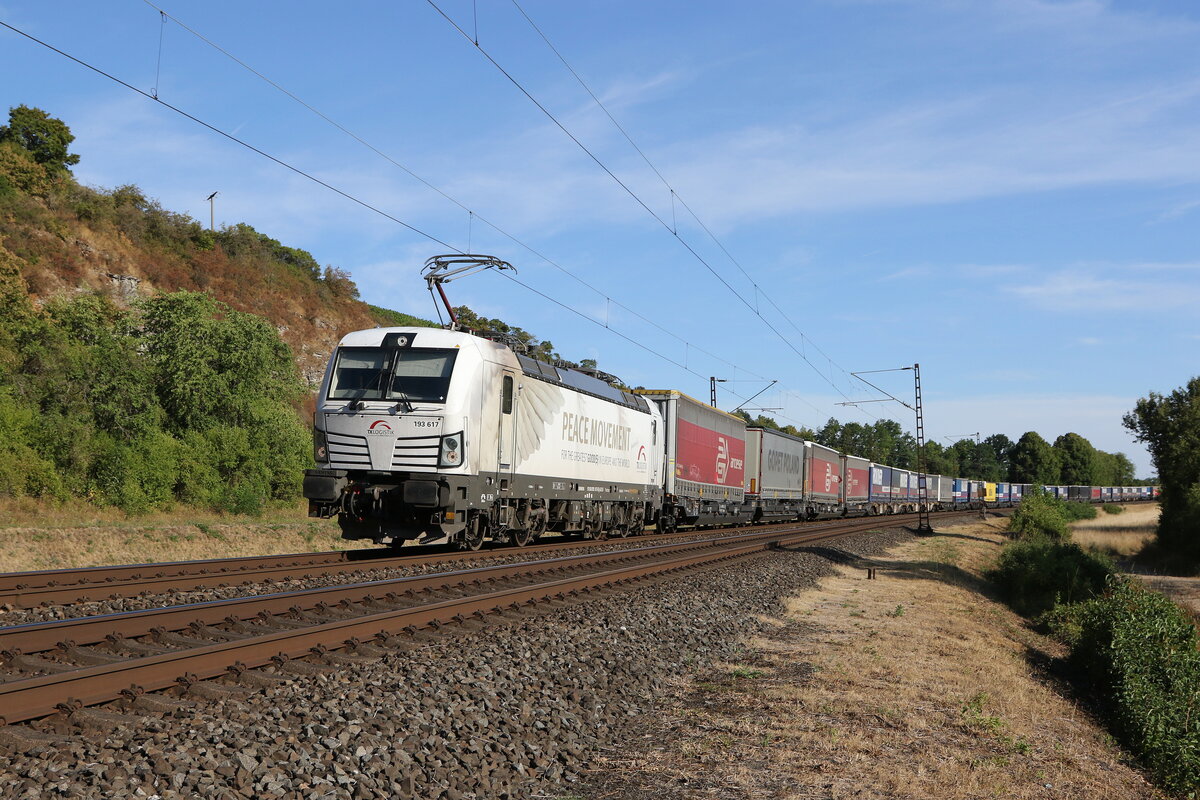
[705, 462]
[822, 481]
[856, 484]
[880, 500]
[774, 474]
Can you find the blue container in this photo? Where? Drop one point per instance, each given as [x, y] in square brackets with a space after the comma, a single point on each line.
[881, 484]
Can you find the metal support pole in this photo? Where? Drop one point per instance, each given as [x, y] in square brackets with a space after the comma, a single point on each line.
[712, 391]
[923, 525]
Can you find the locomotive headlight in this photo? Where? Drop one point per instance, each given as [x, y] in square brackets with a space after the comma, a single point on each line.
[320, 449]
[452, 451]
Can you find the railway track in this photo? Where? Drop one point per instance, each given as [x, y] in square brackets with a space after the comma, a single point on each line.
[65, 665]
[66, 586]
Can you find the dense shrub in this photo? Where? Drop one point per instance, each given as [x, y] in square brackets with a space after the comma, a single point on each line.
[1073, 512]
[388, 317]
[1139, 651]
[1039, 515]
[1113, 508]
[180, 399]
[1037, 572]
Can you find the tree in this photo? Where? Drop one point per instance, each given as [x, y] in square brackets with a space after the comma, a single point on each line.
[211, 364]
[1169, 426]
[1124, 472]
[44, 136]
[940, 460]
[1078, 460]
[1002, 446]
[1033, 460]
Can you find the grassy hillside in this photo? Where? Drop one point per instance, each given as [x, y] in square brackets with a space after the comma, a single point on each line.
[145, 361]
[70, 238]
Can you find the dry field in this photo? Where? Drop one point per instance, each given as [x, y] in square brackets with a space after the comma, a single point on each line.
[65, 536]
[1118, 534]
[913, 685]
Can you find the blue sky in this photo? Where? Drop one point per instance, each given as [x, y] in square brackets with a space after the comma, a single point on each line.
[1007, 191]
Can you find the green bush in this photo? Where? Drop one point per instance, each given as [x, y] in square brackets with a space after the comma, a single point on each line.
[1140, 651]
[181, 399]
[1113, 508]
[1035, 573]
[1073, 512]
[1039, 515]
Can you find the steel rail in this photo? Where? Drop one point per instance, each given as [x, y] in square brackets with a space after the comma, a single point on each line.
[33, 588]
[55, 587]
[42, 636]
[215, 567]
[40, 696]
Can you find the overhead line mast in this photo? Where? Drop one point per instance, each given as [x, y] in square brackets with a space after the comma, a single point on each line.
[923, 525]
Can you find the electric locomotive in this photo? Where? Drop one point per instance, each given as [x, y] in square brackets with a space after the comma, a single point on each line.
[441, 436]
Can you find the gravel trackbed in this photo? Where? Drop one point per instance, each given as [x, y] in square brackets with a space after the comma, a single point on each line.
[506, 710]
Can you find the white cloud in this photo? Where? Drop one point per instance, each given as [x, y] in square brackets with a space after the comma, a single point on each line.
[1087, 291]
[907, 272]
[945, 152]
[1177, 211]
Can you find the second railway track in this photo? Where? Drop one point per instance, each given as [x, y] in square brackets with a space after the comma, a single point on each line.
[67, 586]
[63, 665]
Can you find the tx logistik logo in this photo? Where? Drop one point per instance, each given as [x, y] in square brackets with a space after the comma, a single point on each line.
[722, 459]
[379, 428]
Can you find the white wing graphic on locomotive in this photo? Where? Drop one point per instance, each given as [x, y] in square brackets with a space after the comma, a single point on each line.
[538, 405]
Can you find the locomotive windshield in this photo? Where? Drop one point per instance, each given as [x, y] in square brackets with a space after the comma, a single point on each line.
[386, 373]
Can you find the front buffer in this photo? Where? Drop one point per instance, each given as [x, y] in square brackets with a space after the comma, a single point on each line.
[387, 508]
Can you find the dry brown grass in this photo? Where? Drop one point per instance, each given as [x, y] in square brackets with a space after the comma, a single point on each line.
[82, 536]
[1121, 534]
[913, 685]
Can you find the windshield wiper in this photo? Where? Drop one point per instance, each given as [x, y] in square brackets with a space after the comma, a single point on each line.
[404, 400]
[378, 384]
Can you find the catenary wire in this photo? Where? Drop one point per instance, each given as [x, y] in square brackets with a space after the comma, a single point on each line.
[520, 87]
[431, 186]
[473, 214]
[675, 196]
[320, 182]
[229, 136]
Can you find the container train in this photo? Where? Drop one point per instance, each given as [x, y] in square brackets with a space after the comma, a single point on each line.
[444, 436]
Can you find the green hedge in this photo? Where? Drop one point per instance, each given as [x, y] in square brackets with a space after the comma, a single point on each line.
[1138, 650]
[1039, 514]
[1042, 514]
[1035, 573]
[178, 400]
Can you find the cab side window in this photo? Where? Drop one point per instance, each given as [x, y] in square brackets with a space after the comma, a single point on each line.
[506, 399]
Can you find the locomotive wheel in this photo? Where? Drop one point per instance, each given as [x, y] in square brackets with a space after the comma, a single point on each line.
[473, 535]
[520, 536]
[537, 526]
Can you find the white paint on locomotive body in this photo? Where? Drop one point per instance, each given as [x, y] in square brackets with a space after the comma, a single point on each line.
[527, 427]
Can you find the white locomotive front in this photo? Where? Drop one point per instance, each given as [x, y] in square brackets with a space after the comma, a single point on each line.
[439, 435]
